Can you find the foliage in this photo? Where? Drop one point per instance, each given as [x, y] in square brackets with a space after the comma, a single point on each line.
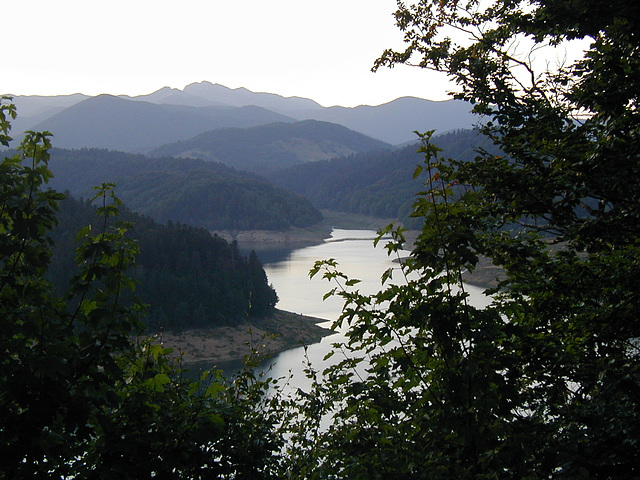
[81, 394]
[545, 381]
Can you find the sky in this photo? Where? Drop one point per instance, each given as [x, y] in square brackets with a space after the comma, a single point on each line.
[322, 49]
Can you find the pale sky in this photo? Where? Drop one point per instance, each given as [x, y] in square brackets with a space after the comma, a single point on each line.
[321, 49]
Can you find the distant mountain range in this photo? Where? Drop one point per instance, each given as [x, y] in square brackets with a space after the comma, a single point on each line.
[143, 123]
[114, 123]
[395, 122]
[206, 93]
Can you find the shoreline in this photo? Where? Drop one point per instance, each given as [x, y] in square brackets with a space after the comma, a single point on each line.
[268, 336]
[486, 275]
[284, 330]
[295, 237]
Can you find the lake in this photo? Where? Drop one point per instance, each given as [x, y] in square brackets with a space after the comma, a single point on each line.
[357, 257]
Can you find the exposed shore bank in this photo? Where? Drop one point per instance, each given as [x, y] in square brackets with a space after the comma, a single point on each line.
[269, 336]
[486, 275]
[301, 237]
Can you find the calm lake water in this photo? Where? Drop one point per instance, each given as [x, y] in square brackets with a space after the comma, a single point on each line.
[357, 258]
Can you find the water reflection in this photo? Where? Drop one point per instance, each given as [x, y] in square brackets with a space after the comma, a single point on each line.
[358, 258]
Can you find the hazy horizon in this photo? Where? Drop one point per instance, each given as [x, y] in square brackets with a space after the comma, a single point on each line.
[321, 51]
[182, 89]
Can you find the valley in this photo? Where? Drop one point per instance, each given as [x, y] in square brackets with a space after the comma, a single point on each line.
[343, 281]
[258, 171]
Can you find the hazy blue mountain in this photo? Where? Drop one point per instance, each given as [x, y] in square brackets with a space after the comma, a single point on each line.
[29, 105]
[239, 97]
[392, 122]
[395, 122]
[116, 123]
[33, 109]
[175, 96]
[273, 146]
[209, 94]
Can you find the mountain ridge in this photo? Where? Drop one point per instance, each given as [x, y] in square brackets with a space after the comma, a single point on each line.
[273, 146]
[381, 184]
[392, 122]
[111, 122]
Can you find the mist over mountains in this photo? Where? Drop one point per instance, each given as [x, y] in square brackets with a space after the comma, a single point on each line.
[114, 123]
[338, 158]
[181, 114]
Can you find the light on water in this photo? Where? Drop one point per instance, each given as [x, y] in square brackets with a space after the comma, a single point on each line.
[357, 258]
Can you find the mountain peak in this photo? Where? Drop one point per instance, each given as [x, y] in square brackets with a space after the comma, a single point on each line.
[241, 96]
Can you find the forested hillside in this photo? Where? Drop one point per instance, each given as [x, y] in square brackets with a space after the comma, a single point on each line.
[267, 148]
[195, 192]
[188, 277]
[379, 184]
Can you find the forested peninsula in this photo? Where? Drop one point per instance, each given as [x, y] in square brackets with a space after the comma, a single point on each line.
[188, 277]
